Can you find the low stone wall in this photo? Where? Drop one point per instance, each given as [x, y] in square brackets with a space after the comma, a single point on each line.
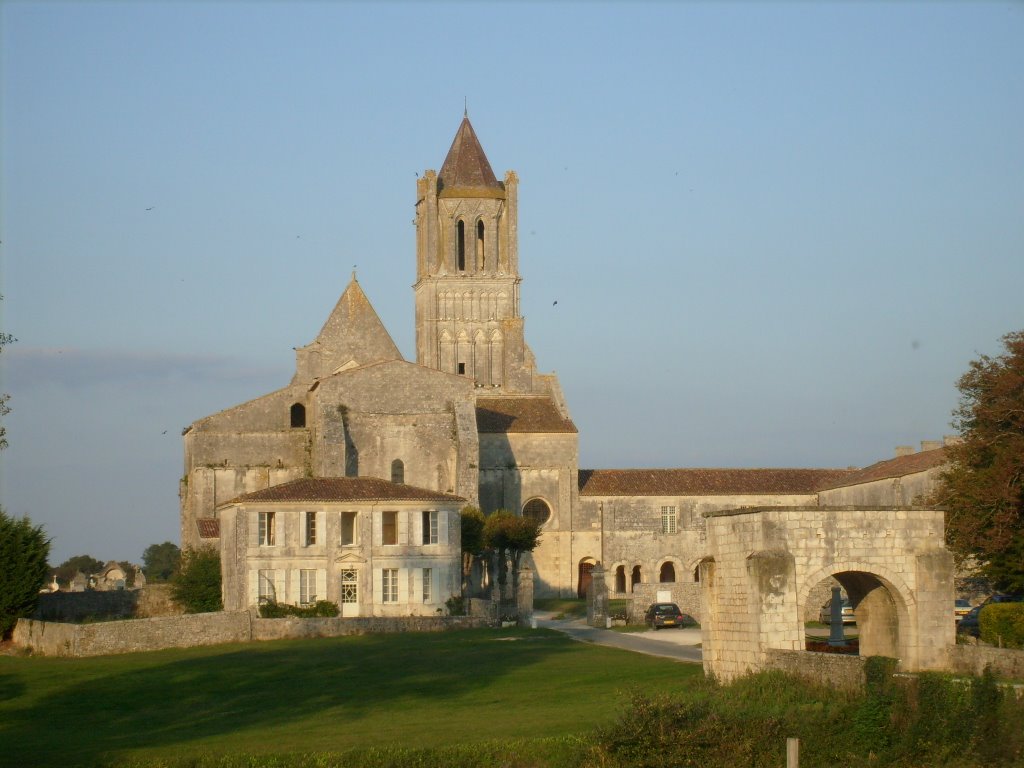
[836, 669]
[136, 635]
[972, 660]
[108, 637]
[685, 594]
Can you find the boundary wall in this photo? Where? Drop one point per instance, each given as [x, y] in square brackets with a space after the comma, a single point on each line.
[139, 635]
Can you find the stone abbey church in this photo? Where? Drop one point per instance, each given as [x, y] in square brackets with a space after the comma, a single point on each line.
[346, 484]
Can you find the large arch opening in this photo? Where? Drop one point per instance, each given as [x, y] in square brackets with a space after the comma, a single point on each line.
[586, 576]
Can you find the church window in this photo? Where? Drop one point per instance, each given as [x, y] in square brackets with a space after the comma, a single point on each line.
[537, 510]
[462, 369]
[430, 527]
[389, 528]
[307, 586]
[348, 529]
[667, 573]
[298, 416]
[349, 587]
[309, 528]
[397, 471]
[267, 592]
[668, 520]
[460, 245]
[267, 529]
[389, 585]
[480, 245]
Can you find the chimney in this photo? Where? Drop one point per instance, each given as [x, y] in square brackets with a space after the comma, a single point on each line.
[904, 450]
[930, 445]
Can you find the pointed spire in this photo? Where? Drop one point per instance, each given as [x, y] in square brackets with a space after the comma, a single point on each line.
[466, 165]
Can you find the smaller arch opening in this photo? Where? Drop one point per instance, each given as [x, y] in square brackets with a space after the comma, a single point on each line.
[586, 576]
[696, 574]
[298, 416]
[537, 510]
[620, 579]
[634, 578]
[397, 471]
[667, 573]
[460, 245]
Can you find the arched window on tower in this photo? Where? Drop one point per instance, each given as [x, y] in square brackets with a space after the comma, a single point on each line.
[460, 245]
[480, 246]
[298, 416]
[397, 471]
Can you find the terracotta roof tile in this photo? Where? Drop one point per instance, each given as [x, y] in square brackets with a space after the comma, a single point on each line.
[209, 528]
[322, 489]
[704, 482]
[898, 467]
[499, 415]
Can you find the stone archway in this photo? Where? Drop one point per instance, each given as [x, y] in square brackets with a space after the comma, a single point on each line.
[761, 563]
[586, 570]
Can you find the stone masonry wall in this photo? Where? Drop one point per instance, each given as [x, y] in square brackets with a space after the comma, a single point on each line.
[840, 671]
[972, 660]
[684, 594]
[113, 637]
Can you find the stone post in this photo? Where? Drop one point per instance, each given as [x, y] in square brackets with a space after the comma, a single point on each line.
[524, 596]
[597, 599]
[836, 636]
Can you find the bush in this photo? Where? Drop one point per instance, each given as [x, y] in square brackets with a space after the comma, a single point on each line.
[321, 609]
[1002, 624]
[196, 587]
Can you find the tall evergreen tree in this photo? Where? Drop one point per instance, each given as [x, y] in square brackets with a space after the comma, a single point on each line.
[983, 487]
[24, 549]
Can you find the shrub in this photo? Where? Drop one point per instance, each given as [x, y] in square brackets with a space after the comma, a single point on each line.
[196, 587]
[321, 609]
[1002, 624]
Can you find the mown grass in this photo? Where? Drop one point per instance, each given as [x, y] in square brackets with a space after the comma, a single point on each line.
[317, 696]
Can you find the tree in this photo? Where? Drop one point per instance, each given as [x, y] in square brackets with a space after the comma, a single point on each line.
[510, 536]
[87, 564]
[161, 561]
[196, 587]
[982, 488]
[472, 526]
[23, 569]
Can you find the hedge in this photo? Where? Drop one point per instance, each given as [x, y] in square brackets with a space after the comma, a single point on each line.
[1002, 624]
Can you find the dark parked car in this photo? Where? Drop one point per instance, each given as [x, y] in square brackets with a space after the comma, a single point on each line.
[968, 625]
[664, 615]
[961, 608]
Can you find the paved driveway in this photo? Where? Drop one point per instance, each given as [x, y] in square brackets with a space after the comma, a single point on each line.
[677, 644]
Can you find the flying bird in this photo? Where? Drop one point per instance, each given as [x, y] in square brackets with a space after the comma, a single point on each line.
[151, 208]
[554, 302]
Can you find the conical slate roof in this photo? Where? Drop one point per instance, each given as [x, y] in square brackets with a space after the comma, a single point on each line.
[466, 165]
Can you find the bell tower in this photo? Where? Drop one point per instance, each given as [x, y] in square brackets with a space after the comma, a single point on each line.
[468, 320]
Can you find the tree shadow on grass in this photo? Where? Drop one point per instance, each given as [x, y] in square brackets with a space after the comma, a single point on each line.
[215, 692]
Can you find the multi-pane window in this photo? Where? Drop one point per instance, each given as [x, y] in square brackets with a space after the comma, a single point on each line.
[668, 519]
[348, 528]
[307, 586]
[267, 592]
[430, 527]
[389, 528]
[309, 528]
[389, 585]
[349, 587]
[427, 579]
[267, 532]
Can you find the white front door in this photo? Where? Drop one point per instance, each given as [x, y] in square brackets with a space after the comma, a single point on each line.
[349, 593]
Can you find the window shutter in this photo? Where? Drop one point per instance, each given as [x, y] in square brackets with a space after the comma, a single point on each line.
[442, 527]
[280, 585]
[417, 527]
[435, 587]
[402, 521]
[253, 518]
[376, 532]
[417, 584]
[254, 586]
[378, 585]
[403, 586]
[321, 584]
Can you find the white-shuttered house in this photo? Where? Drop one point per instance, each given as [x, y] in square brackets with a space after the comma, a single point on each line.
[374, 547]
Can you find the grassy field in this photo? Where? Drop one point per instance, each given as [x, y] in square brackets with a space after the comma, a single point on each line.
[310, 696]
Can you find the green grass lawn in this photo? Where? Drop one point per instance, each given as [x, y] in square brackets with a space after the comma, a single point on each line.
[325, 695]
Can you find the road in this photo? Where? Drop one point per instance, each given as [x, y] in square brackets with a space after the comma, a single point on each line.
[676, 644]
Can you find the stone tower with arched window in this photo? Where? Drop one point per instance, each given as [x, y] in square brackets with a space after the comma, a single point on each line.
[468, 320]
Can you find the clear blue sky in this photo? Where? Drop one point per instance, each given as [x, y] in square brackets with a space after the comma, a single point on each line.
[776, 233]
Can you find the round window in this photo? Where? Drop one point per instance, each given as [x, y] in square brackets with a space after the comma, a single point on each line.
[537, 510]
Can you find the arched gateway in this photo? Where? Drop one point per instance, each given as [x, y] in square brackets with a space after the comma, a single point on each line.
[762, 562]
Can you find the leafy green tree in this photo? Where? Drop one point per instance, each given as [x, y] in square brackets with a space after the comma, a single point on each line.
[983, 487]
[472, 526]
[87, 564]
[23, 569]
[510, 536]
[196, 587]
[161, 561]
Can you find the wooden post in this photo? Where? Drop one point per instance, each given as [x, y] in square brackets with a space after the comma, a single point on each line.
[792, 753]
